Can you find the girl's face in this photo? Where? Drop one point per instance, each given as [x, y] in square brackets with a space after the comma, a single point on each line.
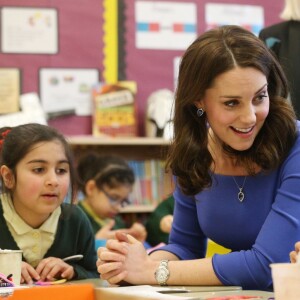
[106, 202]
[43, 179]
[236, 106]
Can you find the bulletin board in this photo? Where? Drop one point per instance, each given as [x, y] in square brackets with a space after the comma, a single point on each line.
[152, 69]
[83, 43]
[80, 44]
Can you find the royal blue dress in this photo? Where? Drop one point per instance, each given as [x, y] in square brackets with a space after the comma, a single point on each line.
[260, 230]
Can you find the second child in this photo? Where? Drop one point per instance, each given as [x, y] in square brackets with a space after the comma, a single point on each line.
[106, 182]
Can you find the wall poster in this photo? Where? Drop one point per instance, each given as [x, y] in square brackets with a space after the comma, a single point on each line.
[29, 30]
[10, 89]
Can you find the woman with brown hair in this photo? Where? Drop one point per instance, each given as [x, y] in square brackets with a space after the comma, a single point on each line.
[236, 163]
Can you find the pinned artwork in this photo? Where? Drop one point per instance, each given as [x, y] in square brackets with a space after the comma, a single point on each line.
[160, 114]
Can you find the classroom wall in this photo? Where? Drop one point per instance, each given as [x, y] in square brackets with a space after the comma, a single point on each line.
[81, 46]
[153, 69]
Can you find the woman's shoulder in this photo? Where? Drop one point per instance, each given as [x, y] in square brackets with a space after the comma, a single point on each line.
[293, 156]
[297, 141]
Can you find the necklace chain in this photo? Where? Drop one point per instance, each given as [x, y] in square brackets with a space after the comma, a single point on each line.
[241, 194]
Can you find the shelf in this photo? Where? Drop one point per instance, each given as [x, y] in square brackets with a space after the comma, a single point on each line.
[131, 148]
[137, 209]
[134, 149]
[130, 141]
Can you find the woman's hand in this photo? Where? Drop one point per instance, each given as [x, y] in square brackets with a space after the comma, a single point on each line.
[28, 273]
[166, 223]
[294, 254]
[52, 268]
[125, 259]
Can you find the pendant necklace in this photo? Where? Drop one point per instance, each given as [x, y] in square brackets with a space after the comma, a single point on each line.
[241, 195]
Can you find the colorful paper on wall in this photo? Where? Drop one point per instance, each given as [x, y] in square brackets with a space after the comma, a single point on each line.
[165, 25]
[250, 17]
[115, 109]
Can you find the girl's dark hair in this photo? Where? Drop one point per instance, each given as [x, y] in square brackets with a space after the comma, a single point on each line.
[211, 54]
[104, 169]
[16, 142]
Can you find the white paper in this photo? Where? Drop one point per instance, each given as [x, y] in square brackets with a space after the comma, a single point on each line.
[9, 90]
[32, 112]
[8, 291]
[250, 17]
[67, 90]
[176, 64]
[29, 30]
[146, 291]
[165, 25]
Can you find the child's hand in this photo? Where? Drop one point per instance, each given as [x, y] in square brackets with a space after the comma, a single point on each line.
[28, 273]
[294, 254]
[138, 231]
[52, 268]
[166, 223]
[106, 231]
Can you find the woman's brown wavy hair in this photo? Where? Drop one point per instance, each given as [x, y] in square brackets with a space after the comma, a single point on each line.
[211, 54]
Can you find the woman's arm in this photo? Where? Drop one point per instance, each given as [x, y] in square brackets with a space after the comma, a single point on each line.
[125, 259]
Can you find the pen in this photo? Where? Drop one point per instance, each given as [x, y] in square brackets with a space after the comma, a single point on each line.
[73, 257]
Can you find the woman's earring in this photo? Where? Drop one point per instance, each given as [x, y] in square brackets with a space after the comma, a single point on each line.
[200, 112]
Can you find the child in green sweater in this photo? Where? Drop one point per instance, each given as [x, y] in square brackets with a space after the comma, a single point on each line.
[160, 221]
[37, 173]
[106, 182]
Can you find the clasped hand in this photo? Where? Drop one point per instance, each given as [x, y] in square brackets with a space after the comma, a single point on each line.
[48, 269]
[125, 259]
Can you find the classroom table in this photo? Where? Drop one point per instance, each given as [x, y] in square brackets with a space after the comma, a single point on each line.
[97, 289]
[194, 293]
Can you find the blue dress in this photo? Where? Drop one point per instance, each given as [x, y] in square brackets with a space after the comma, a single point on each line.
[260, 230]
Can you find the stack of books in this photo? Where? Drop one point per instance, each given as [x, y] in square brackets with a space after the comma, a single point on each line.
[152, 183]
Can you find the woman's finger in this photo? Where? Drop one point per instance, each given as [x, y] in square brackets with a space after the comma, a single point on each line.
[117, 246]
[106, 256]
[109, 267]
[118, 278]
[100, 249]
[114, 277]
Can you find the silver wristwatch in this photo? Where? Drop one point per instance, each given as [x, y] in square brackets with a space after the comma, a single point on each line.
[162, 273]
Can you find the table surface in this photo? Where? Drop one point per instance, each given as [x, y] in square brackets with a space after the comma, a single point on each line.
[104, 291]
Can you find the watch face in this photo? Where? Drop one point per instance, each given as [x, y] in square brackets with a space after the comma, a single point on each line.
[162, 274]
